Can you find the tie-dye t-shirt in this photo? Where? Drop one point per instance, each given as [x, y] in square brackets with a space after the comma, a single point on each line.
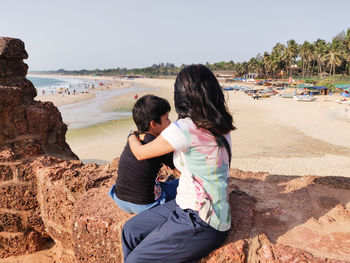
[204, 168]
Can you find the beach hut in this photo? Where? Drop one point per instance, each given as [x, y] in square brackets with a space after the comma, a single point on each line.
[313, 90]
[318, 89]
[343, 88]
[323, 75]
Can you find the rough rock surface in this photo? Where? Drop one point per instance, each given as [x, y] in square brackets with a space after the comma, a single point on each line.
[294, 219]
[97, 229]
[28, 129]
[51, 202]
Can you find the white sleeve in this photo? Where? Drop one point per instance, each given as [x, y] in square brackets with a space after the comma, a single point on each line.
[174, 135]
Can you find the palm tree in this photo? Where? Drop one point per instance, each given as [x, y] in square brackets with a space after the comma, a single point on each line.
[333, 57]
[259, 65]
[309, 57]
[270, 63]
[291, 52]
[306, 56]
[347, 49]
[266, 59]
[254, 65]
[278, 52]
[231, 65]
[241, 68]
[320, 50]
[244, 68]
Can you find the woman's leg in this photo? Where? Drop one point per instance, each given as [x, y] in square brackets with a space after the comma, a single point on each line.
[138, 227]
[183, 237]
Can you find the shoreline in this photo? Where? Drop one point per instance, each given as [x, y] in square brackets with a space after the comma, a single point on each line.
[65, 99]
[275, 135]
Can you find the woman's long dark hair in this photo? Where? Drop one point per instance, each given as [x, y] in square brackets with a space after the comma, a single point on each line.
[198, 95]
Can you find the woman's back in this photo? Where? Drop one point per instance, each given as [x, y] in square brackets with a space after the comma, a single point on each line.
[204, 168]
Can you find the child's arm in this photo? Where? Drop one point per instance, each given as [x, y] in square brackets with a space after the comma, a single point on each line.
[155, 148]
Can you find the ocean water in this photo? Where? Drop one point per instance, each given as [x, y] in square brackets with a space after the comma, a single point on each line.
[85, 113]
[47, 82]
[57, 85]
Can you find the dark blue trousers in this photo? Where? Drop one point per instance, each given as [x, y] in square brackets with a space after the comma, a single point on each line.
[166, 233]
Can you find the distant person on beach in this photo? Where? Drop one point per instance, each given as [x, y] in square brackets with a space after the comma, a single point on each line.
[198, 220]
[134, 190]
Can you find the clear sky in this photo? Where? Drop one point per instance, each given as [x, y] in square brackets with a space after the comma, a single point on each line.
[90, 34]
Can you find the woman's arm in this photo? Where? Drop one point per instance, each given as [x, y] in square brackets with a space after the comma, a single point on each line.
[159, 146]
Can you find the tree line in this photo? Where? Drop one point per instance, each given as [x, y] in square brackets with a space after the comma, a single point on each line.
[311, 59]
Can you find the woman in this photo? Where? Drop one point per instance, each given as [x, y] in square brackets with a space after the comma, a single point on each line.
[198, 221]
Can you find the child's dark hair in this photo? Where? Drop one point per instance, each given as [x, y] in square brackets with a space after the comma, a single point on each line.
[198, 95]
[149, 108]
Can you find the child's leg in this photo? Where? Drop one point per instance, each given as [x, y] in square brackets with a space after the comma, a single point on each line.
[128, 206]
[183, 237]
[138, 227]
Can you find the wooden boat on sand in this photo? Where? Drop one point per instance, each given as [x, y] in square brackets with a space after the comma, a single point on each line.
[303, 98]
[343, 101]
[228, 88]
[261, 95]
[287, 96]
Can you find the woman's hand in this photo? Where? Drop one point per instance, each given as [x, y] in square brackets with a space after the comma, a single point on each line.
[159, 146]
[136, 133]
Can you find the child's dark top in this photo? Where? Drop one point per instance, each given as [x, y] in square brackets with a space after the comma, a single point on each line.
[136, 179]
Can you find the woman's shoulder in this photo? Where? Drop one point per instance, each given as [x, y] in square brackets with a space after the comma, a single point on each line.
[185, 123]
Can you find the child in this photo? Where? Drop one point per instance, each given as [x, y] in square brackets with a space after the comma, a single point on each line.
[134, 188]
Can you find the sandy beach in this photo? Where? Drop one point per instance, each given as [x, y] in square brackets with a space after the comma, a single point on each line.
[286, 137]
[275, 135]
[64, 98]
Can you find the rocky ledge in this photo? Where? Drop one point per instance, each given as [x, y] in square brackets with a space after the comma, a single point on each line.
[52, 203]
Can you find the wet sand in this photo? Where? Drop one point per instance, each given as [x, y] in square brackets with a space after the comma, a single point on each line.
[104, 142]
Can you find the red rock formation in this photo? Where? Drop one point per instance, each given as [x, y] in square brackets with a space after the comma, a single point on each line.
[62, 185]
[48, 194]
[28, 129]
[97, 229]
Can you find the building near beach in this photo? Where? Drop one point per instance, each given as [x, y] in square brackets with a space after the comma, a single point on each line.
[252, 75]
[225, 75]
